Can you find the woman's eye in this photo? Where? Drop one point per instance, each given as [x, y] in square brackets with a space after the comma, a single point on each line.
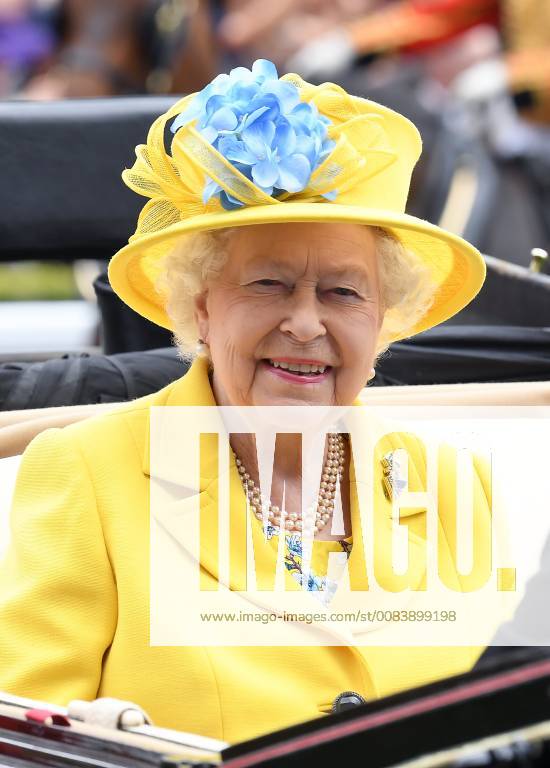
[341, 291]
[267, 282]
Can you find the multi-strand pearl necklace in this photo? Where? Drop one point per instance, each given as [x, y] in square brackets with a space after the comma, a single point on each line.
[316, 517]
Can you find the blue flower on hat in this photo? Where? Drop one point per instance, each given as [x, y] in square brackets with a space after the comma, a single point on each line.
[261, 126]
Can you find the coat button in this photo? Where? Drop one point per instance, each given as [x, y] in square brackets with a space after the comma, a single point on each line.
[347, 700]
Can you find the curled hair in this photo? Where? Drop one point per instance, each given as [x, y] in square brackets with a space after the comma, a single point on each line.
[406, 288]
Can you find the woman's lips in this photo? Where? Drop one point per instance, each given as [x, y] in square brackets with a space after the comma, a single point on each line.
[297, 378]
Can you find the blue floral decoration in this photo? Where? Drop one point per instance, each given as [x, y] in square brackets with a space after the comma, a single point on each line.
[323, 589]
[261, 126]
[294, 543]
[270, 531]
[313, 583]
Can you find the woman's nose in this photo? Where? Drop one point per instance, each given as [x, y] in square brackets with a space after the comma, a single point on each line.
[303, 316]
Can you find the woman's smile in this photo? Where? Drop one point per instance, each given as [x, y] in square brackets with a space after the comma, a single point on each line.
[301, 371]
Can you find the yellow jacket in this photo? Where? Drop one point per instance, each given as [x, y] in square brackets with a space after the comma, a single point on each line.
[74, 597]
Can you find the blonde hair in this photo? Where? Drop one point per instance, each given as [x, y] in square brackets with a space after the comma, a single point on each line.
[406, 288]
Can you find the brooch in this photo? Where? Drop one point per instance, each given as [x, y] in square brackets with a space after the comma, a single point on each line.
[392, 480]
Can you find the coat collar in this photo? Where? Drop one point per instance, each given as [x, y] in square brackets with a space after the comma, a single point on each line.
[191, 389]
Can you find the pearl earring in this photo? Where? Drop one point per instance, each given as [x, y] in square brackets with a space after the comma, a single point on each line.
[201, 347]
[372, 374]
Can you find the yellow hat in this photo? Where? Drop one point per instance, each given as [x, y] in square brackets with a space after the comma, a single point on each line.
[348, 159]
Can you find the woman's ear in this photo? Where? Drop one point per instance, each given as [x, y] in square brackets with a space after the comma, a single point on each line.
[200, 314]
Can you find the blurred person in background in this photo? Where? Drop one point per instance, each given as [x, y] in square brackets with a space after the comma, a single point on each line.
[285, 27]
[318, 38]
[98, 52]
[135, 46]
[322, 37]
[508, 95]
[55, 49]
[26, 39]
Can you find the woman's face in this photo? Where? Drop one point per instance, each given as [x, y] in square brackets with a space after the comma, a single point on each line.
[294, 316]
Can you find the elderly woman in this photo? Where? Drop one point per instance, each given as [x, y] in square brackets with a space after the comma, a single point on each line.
[275, 246]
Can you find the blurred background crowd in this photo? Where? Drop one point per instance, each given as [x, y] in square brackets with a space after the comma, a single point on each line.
[52, 49]
[474, 75]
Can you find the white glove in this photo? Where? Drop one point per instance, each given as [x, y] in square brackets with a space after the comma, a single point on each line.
[108, 713]
[481, 82]
[325, 56]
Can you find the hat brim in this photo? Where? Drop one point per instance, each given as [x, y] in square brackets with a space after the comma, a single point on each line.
[456, 266]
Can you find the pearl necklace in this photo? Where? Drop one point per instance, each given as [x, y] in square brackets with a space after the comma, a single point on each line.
[316, 517]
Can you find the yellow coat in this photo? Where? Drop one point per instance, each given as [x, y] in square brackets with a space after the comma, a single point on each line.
[74, 597]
